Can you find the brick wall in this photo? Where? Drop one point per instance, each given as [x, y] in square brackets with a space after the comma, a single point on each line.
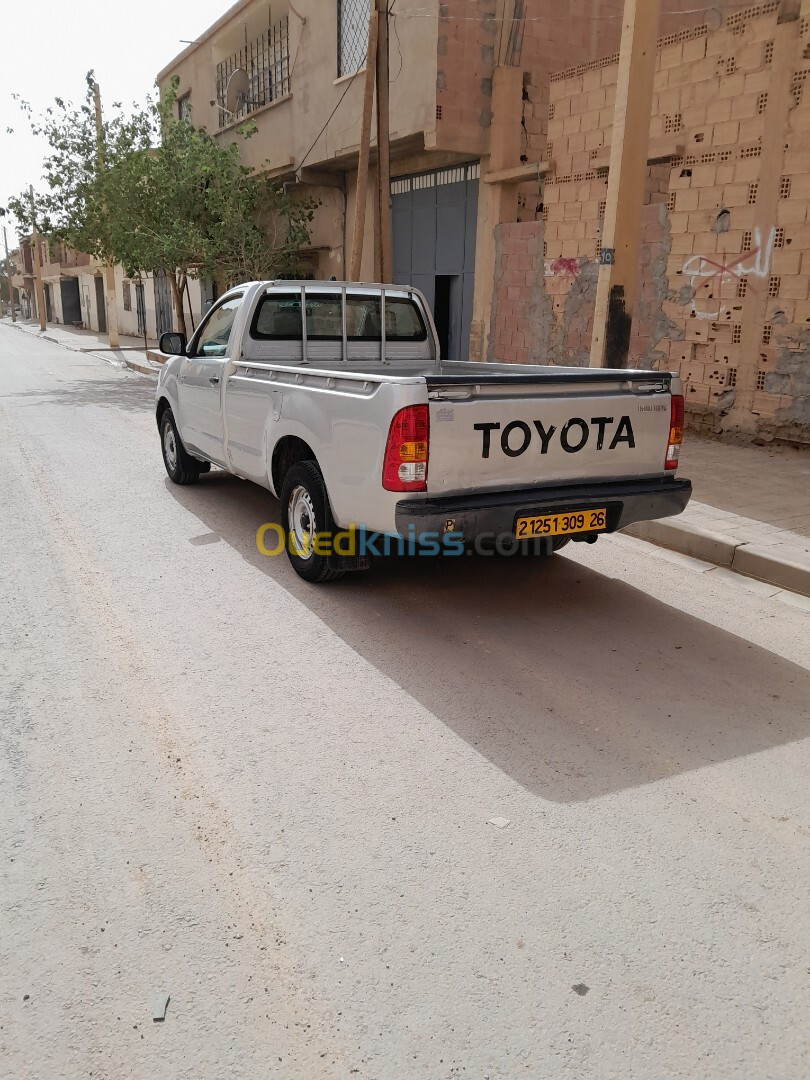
[702, 258]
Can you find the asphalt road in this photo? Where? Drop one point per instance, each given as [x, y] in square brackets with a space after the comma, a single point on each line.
[272, 800]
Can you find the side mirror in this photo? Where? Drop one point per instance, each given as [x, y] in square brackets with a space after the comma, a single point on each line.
[173, 344]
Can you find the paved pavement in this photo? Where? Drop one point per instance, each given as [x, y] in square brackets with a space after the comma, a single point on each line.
[276, 802]
[750, 510]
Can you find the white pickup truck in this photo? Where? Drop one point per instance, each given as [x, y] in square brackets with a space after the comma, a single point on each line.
[334, 397]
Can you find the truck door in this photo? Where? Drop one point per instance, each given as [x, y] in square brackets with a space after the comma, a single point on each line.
[201, 378]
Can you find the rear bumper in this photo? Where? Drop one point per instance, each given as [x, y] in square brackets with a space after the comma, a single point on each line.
[494, 513]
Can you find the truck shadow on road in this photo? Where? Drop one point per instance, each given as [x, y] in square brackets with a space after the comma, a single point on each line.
[573, 683]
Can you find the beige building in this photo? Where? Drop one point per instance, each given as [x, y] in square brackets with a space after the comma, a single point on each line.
[501, 115]
[73, 290]
[305, 66]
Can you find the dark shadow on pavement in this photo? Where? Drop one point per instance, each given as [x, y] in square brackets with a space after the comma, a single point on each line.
[571, 682]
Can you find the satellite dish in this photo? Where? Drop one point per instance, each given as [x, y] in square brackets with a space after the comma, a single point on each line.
[713, 18]
[236, 91]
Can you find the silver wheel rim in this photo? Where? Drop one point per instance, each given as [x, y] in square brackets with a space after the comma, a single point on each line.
[170, 447]
[301, 515]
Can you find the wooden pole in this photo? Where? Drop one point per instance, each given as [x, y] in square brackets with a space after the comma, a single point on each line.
[35, 255]
[109, 269]
[383, 145]
[361, 194]
[618, 270]
[8, 278]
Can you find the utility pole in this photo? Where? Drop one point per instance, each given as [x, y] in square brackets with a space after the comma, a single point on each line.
[361, 193]
[35, 253]
[383, 145]
[109, 269]
[8, 278]
[621, 234]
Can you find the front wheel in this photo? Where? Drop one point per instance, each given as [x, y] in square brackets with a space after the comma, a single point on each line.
[180, 465]
[307, 522]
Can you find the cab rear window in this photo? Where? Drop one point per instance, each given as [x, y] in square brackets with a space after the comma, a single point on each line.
[278, 318]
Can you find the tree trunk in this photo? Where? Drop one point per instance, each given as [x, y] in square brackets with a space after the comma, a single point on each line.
[188, 299]
[177, 295]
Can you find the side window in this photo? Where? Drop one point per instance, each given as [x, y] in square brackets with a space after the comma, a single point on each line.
[278, 318]
[216, 331]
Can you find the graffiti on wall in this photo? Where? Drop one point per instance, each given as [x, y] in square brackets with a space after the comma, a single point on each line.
[710, 276]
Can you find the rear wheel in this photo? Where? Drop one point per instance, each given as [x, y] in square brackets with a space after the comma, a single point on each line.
[305, 516]
[180, 465]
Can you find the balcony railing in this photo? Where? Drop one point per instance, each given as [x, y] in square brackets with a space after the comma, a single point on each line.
[266, 60]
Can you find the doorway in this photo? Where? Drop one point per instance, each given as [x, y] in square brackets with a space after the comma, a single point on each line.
[445, 314]
[163, 303]
[48, 305]
[140, 308]
[101, 305]
[434, 218]
[71, 301]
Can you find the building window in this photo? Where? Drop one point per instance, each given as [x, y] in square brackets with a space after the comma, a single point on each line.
[127, 297]
[353, 17]
[266, 60]
[184, 108]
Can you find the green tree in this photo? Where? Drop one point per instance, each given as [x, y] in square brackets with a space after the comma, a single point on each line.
[154, 192]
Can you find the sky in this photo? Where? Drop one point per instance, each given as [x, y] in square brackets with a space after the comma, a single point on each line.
[51, 47]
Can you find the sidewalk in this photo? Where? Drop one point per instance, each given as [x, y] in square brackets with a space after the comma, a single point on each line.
[750, 510]
[130, 353]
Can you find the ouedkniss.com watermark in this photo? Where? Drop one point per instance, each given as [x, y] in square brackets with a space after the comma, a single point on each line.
[272, 541]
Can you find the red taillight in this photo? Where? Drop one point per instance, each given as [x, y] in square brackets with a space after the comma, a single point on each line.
[675, 432]
[406, 452]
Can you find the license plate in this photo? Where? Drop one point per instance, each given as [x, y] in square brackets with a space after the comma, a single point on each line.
[572, 521]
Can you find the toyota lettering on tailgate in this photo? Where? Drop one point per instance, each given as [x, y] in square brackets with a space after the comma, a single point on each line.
[517, 436]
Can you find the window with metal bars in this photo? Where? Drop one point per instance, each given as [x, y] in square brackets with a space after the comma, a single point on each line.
[266, 60]
[127, 297]
[353, 17]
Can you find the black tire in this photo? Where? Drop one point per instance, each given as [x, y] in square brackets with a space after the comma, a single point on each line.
[180, 465]
[305, 510]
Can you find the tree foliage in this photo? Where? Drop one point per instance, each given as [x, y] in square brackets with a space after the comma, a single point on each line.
[154, 192]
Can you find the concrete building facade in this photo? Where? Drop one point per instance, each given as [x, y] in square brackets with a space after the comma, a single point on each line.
[74, 294]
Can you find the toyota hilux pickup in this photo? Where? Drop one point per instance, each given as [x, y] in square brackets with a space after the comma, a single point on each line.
[335, 398]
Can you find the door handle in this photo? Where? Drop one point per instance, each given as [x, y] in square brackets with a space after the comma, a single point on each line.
[214, 380]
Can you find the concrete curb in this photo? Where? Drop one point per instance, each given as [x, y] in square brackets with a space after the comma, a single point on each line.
[750, 560]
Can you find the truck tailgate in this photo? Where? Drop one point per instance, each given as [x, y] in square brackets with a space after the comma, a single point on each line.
[517, 430]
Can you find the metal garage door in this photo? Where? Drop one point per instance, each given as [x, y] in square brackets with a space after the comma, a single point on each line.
[434, 220]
